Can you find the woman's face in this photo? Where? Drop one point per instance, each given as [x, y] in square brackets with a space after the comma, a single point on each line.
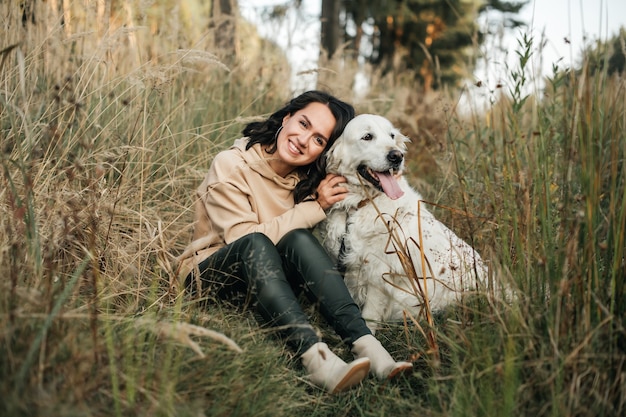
[304, 136]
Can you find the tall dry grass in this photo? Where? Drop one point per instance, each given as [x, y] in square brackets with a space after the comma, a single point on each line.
[105, 135]
[547, 176]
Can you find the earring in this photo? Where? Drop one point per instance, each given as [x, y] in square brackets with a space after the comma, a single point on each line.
[277, 132]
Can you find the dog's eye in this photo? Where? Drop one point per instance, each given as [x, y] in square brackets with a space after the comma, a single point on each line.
[367, 136]
[393, 135]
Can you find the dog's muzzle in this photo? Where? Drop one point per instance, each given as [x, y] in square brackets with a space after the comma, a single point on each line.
[384, 181]
[395, 158]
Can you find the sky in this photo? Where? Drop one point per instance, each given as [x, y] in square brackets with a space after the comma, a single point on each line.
[564, 26]
[576, 20]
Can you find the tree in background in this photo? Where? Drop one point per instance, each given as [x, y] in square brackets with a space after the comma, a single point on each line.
[331, 32]
[224, 23]
[430, 37]
[609, 55]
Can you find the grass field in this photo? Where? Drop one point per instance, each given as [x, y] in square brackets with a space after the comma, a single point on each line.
[104, 137]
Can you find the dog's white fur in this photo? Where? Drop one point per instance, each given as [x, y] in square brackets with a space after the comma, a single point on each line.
[365, 221]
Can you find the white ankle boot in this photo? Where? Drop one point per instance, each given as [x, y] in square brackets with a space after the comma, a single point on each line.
[330, 372]
[382, 364]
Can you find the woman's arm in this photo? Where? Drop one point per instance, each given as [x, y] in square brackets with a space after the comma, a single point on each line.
[232, 215]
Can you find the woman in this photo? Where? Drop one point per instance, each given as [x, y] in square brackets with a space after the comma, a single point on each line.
[252, 240]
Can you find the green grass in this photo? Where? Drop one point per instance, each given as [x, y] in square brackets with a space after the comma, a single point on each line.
[100, 158]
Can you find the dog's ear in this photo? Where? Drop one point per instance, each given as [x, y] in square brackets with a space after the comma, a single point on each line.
[333, 155]
[400, 139]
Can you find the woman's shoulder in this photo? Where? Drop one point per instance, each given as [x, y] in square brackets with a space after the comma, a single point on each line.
[228, 158]
[233, 156]
[234, 162]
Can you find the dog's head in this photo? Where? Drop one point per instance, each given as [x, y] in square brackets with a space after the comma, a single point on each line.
[372, 148]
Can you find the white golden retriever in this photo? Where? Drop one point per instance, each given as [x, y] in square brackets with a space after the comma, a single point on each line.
[377, 228]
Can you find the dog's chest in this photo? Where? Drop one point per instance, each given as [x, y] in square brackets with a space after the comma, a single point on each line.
[369, 234]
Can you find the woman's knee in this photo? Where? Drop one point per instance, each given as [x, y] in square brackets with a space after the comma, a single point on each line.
[254, 243]
[298, 238]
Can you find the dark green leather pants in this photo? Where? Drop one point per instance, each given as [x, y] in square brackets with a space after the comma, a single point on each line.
[271, 277]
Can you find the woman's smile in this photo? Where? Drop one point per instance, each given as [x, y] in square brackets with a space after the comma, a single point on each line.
[294, 148]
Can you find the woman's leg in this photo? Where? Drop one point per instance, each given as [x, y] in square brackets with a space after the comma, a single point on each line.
[251, 265]
[309, 265]
[308, 262]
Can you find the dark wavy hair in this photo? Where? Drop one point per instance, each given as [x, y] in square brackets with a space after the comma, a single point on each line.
[264, 132]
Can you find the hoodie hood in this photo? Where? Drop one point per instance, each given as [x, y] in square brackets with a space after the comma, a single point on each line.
[258, 161]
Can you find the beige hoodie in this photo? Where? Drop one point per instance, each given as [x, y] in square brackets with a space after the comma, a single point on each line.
[242, 194]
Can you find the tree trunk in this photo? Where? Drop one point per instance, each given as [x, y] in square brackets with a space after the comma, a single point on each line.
[224, 24]
[331, 28]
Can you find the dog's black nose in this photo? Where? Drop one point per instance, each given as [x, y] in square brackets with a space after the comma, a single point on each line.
[395, 157]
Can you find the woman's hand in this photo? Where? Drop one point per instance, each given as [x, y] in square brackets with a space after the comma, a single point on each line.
[331, 190]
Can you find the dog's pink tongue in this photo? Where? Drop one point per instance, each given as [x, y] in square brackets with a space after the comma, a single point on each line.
[390, 185]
